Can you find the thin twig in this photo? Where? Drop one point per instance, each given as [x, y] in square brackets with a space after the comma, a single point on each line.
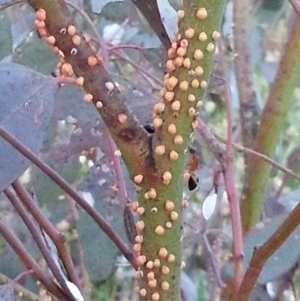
[137, 67]
[296, 6]
[294, 289]
[22, 275]
[74, 216]
[116, 47]
[264, 252]
[150, 11]
[213, 144]
[6, 5]
[104, 226]
[234, 205]
[36, 235]
[30, 263]
[117, 50]
[19, 289]
[252, 152]
[80, 255]
[215, 266]
[55, 235]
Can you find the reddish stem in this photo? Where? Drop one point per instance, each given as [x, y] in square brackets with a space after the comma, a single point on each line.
[296, 6]
[230, 185]
[22, 275]
[30, 263]
[37, 236]
[56, 237]
[135, 47]
[103, 225]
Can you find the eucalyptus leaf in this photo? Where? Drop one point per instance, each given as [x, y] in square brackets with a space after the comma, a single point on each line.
[26, 108]
[99, 251]
[7, 292]
[281, 261]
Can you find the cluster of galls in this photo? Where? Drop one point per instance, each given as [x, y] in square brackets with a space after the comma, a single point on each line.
[191, 65]
[178, 58]
[163, 256]
[63, 68]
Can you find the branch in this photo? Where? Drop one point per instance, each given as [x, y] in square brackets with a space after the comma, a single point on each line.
[147, 75]
[103, 225]
[30, 263]
[274, 113]
[263, 157]
[19, 289]
[211, 140]
[6, 5]
[83, 272]
[235, 214]
[213, 144]
[296, 6]
[36, 235]
[190, 61]
[56, 237]
[130, 137]
[263, 253]
[150, 11]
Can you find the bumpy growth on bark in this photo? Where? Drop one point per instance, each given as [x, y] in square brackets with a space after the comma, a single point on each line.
[155, 161]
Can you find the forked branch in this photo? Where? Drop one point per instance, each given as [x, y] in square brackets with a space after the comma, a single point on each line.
[130, 137]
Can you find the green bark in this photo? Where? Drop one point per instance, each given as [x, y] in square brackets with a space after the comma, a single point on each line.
[139, 151]
[276, 108]
[182, 119]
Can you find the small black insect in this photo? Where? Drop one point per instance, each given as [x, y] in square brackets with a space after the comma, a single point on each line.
[193, 182]
[192, 166]
[149, 128]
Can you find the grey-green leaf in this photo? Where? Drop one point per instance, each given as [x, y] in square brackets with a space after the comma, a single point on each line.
[26, 104]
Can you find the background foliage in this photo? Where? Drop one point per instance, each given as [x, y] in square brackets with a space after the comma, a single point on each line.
[69, 135]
